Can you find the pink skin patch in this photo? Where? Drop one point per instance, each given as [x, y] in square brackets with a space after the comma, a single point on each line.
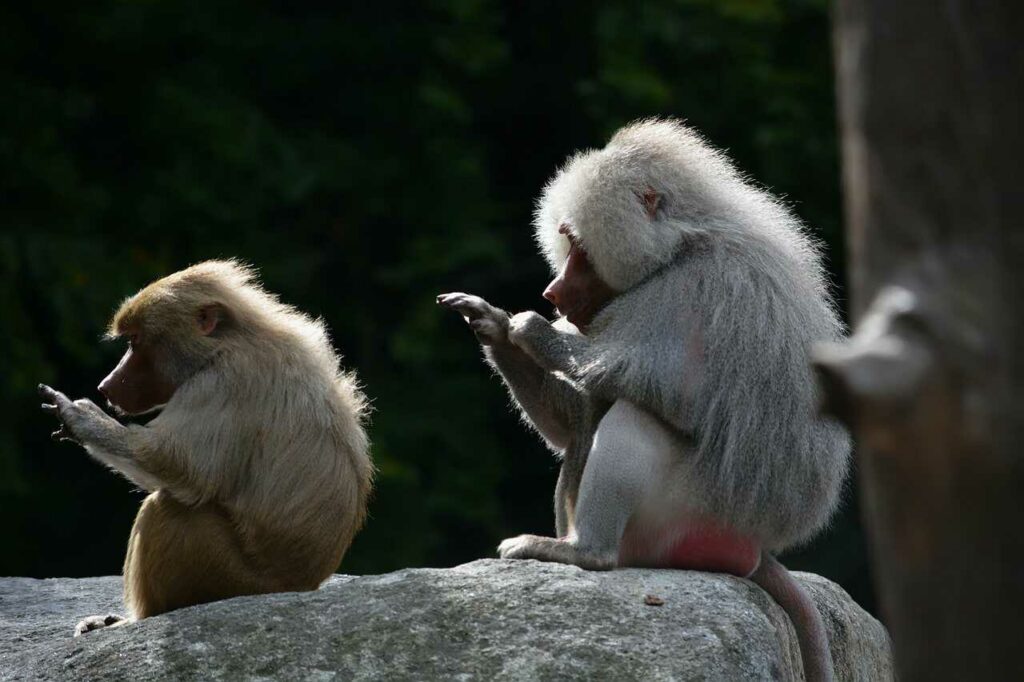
[696, 546]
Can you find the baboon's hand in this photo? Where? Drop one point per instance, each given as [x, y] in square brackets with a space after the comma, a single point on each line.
[526, 329]
[490, 324]
[74, 417]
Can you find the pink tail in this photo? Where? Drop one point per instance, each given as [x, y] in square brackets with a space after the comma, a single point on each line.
[774, 579]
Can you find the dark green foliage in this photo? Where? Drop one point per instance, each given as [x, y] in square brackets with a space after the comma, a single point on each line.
[365, 158]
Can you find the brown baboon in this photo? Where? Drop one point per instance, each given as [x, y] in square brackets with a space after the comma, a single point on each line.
[257, 464]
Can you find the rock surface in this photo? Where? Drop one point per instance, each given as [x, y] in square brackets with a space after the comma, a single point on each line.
[489, 619]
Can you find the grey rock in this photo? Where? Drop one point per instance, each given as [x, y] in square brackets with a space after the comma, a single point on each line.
[490, 619]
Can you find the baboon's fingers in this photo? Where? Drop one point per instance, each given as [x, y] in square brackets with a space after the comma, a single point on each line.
[469, 306]
[455, 300]
[53, 396]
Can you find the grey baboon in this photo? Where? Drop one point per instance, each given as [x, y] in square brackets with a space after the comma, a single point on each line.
[257, 463]
[676, 383]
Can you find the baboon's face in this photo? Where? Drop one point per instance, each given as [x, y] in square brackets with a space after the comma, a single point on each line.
[578, 292]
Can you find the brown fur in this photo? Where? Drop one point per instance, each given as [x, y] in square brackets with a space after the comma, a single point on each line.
[258, 464]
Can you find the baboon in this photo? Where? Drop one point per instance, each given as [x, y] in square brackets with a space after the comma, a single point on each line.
[676, 383]
[257, 464]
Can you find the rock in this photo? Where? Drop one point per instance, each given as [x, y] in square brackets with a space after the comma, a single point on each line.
[490, 619]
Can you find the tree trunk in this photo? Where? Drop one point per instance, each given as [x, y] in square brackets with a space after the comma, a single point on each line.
[932, 383]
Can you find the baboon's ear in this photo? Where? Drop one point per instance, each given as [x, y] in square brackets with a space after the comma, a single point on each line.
[651, 201]
[210, 318]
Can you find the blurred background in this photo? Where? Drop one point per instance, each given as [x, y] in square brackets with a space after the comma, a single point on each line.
[364, 158]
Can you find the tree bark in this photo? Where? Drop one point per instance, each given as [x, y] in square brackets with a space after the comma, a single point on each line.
[931, 383]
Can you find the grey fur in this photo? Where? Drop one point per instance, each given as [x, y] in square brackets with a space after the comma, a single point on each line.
[722, 295]
[690, 397]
